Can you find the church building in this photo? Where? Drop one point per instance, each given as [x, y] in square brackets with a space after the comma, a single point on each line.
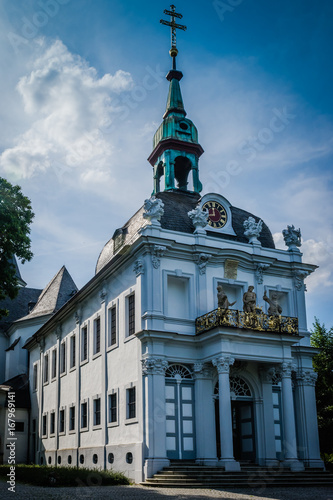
[189, 343]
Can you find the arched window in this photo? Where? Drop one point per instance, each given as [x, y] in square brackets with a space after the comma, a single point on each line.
[180, 370]
[238, 388]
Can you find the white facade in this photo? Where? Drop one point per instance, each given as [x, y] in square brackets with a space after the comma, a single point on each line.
[266, 378]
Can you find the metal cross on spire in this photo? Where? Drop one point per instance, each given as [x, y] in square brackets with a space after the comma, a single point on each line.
[174, 26]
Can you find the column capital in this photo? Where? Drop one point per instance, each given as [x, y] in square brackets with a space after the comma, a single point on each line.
[154, 366]
[223, 363]
[306, 377]
[286, 368]
[202, 370]
[267, 374]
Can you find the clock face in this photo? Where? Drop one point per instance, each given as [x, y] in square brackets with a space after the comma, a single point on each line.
[217, 214]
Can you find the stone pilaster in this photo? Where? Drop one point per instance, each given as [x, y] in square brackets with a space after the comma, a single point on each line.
[266, 375]
[227, 460]
[289, 429]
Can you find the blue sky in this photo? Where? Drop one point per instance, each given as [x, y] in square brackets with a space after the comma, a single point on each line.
[83, 92]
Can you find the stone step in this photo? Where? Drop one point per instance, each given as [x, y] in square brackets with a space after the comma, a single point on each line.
[234, 485]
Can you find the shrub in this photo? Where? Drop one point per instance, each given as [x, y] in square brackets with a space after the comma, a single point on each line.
[43, 475]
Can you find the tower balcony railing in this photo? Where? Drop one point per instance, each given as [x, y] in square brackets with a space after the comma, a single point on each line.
[257, 321]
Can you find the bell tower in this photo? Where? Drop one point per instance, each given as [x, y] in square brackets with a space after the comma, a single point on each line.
[176, 150]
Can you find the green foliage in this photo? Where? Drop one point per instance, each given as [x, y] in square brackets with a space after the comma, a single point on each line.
[15, 218]
[43, 475]
[323, 365]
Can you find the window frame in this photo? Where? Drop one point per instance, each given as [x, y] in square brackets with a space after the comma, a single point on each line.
[97, 412]
[72, 352]
[54, 364]
[130, 315]
[113, 326]
[35, 377]
[44, 425]
[72, 418]
[46, 369]
[86, 427]
[97, 351]
[62, 422]
[130, 418]
[52, 423]
[115, 409]
[84, 343]
[63, 358]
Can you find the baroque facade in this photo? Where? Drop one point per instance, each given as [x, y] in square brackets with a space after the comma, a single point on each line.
[147, 363]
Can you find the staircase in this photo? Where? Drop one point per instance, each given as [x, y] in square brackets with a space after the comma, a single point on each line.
[191, 475]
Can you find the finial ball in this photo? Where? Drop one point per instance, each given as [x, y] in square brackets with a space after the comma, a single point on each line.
[173, 52]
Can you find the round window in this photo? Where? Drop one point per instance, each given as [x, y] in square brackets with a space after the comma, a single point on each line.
[183, 125]
[129, 457]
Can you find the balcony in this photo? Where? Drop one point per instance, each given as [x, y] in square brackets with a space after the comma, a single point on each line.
[256, 321]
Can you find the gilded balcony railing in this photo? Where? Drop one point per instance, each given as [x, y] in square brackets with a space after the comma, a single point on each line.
[258, 321]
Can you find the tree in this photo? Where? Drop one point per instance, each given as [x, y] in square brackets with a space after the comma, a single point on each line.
[15, 218]
[323, 365]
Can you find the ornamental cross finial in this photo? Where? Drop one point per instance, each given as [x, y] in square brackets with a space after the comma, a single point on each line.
[174, 26]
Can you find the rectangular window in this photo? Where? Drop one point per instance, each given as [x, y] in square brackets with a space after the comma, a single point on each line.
[52, 422]
[35, 377]
[72, 418]
[54, 363]
[84, 344]
[72, 351]
[112, 326]
[131, 410]
[97, 411]
[84, 415]
[97, 335]
[63, 357]
[44, 426]
[46, 368]
[112, 408]
[62, 421]
[131, 314]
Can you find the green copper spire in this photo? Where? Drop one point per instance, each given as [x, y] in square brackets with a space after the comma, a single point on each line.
[176, 151]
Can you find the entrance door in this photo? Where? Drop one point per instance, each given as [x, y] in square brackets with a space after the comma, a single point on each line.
[180, 437]
[243, 430]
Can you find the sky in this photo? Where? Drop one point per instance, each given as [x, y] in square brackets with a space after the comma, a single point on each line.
[83, 90]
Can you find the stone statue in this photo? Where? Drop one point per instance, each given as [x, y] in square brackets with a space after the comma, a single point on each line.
[222, 299]
[199, 218]
[249, 300]
[274, 307]
[252, 229]
[153, 210]
[292, 237]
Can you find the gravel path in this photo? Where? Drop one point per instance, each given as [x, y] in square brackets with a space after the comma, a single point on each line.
[25, 492]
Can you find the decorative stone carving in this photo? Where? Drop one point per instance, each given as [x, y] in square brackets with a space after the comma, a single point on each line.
[286, 368]
[252, 229]
[299, 277]
[202, 260]
[222, 299]
[201, 369]
[306, 377]
[274, 307]
[139, 267]
[102, 295]
[259, 272]
[223, 363]
[153, 210]
[41, 343]
[267, 374]
[292, 238]
[157, 254]
[154, 366]
[199, 218]
[249, 300]
[230, 269]
[58, 331]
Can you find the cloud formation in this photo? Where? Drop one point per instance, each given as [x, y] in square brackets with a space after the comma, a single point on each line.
[67, 103]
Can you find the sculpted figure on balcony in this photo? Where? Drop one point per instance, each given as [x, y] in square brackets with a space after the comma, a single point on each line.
[274, 307]
[249, 300]
[222, 299]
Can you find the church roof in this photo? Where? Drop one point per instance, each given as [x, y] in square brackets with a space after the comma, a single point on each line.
[177, 204]
[60, 289]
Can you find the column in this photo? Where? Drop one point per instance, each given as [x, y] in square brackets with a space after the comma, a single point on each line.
[227, 460]
[153, 371]
[307, 418]
[289, 429]
[205, 415]
[269, 457]
[41, 398]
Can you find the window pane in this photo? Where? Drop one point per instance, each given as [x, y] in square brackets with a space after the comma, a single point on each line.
[113, 326]
[131, 314]
[131, 403]
[73, 351]
[113, 408]
[97, 335]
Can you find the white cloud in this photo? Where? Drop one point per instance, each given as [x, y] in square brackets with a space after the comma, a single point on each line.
[67, 103]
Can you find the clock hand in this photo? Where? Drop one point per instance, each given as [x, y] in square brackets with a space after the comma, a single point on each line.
[212, 212]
